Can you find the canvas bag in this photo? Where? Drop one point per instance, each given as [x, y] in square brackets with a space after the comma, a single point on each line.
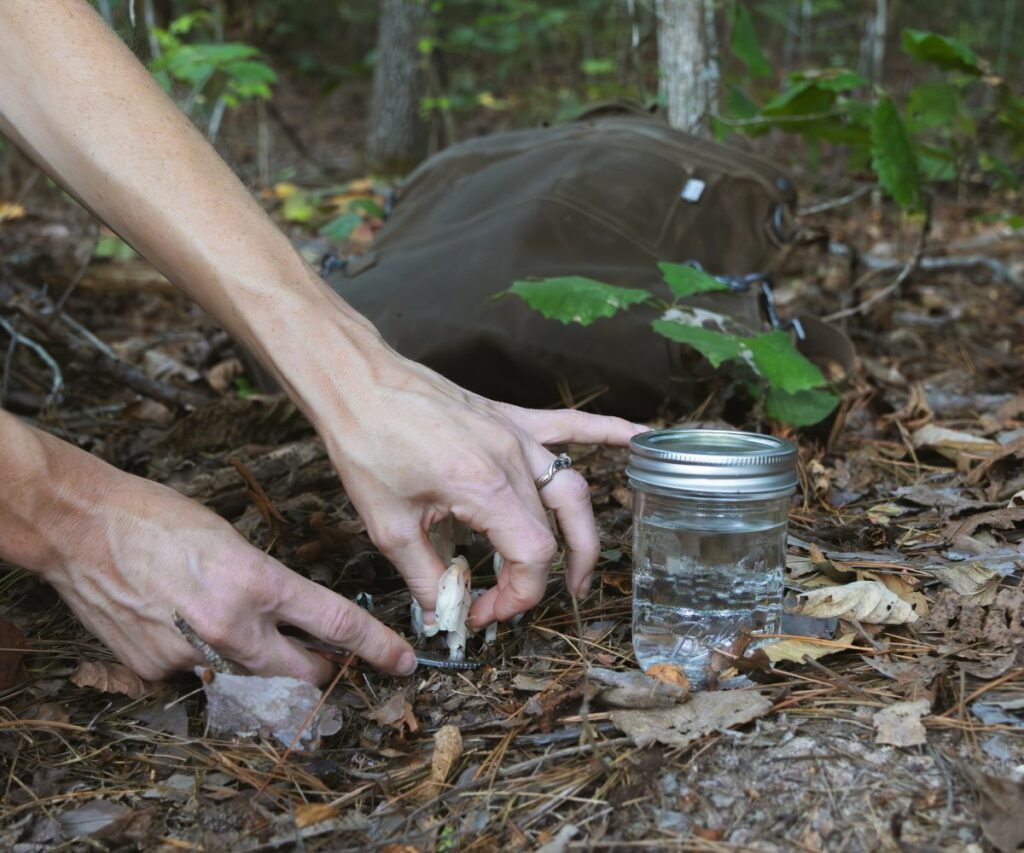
[607, 197]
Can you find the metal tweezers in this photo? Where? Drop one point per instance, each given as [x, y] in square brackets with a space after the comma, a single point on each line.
[428, 659]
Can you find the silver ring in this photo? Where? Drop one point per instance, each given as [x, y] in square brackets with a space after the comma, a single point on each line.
[559, 463]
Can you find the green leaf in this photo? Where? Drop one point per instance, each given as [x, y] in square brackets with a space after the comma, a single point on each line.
[831, 79]
[367, 206]
[803, 98]
[933, 105]
[800, 409]
[686, 281]
[745, 45]
[575, 299]
[339, 228]
[298, 208]
[112, 248]
[592, 67]
[716, 347]
[779, 362]
[946, 52]
[892, 156]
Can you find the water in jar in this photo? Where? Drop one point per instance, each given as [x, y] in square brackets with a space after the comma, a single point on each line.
[698, 587]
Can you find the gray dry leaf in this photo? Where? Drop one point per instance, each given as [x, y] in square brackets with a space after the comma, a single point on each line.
[954, 444]
[971, 580]
[865, 601]
[246, 705]
[900, 724]
[706, 712]
[1001, 803]
[100, 818]
[634, 689]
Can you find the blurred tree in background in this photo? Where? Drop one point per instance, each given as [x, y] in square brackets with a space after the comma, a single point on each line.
[947, 76]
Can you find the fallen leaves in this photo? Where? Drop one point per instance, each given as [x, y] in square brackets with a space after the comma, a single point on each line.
[863, 601]
[705, 713]
[668, 673]
[109, 677]
[447, 751]
[795, 650]
[1001, 803]
[900, 724]
[971, 580]
[636, 690]
[953, 444]
[395, 713]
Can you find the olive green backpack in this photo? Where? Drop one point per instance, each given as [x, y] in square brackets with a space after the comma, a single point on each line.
[606, 197]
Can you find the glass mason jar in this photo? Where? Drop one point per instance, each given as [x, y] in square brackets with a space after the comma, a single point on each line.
[709, 541]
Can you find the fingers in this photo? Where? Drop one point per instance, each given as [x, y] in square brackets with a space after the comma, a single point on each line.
[282, 656]
[568, 496]
[527, 546]
[421, 567]
[568, 426]
[333, 619]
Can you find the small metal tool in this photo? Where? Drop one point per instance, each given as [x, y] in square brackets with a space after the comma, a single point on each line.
[422, 658]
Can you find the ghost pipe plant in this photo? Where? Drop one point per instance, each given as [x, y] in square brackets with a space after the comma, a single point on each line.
[453, 602]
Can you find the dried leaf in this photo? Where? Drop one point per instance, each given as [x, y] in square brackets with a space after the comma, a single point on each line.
[1001, 803]
[706, 712]
[865, 601]
[971, 580]
[953, 444]
[310, 814]
[900, 724]
[247, 705]
[109, 677]
[796, 650]
[51, 712]
[447, 750]
[12, 667]
[100, 818]
[635, 690]
[923, 670]
[395, 713]
[221, 375]
[531, 683]
[668, 673]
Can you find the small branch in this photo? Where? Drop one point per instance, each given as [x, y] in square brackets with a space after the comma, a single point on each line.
[832, 204]
[214, 658]
[904, 274]
[57, 384]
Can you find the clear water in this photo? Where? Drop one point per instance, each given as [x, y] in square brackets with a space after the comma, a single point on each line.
[697, 590]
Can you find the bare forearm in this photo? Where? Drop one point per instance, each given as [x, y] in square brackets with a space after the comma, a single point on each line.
[46, 490]
[87, 111]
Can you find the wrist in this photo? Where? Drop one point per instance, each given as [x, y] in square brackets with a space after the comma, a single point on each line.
[49, 498]
[323, 353]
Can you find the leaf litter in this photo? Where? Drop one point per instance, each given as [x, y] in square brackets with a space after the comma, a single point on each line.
[913, 503]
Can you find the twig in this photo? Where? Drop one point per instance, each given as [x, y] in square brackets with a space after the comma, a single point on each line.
[57, 385]
[904, 274]
[213, 657]
[832, 204]
[845, 682]
[104, 359]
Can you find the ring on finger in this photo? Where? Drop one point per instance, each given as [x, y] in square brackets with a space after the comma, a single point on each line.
[559, 463]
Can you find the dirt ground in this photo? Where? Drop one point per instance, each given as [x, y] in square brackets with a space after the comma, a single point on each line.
[916, 483]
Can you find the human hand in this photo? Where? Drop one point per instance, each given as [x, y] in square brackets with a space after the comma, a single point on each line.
[124, 553]
[413, 448]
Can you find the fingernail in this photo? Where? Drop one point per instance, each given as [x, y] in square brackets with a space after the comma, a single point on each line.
[407, 664]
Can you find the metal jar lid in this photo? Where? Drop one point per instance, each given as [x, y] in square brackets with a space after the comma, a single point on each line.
[713, 462]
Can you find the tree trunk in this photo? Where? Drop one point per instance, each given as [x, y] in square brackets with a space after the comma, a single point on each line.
[872, 50]
[688, 62]
[397, 137]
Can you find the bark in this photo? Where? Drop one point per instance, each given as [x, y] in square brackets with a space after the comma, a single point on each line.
[397, 136]
[872, 51]
[688, 62]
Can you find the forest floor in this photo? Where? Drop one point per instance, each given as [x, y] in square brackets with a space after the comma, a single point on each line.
[917, 483]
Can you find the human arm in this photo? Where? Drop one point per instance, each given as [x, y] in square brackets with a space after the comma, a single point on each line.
[125, 552]
[411, 448]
